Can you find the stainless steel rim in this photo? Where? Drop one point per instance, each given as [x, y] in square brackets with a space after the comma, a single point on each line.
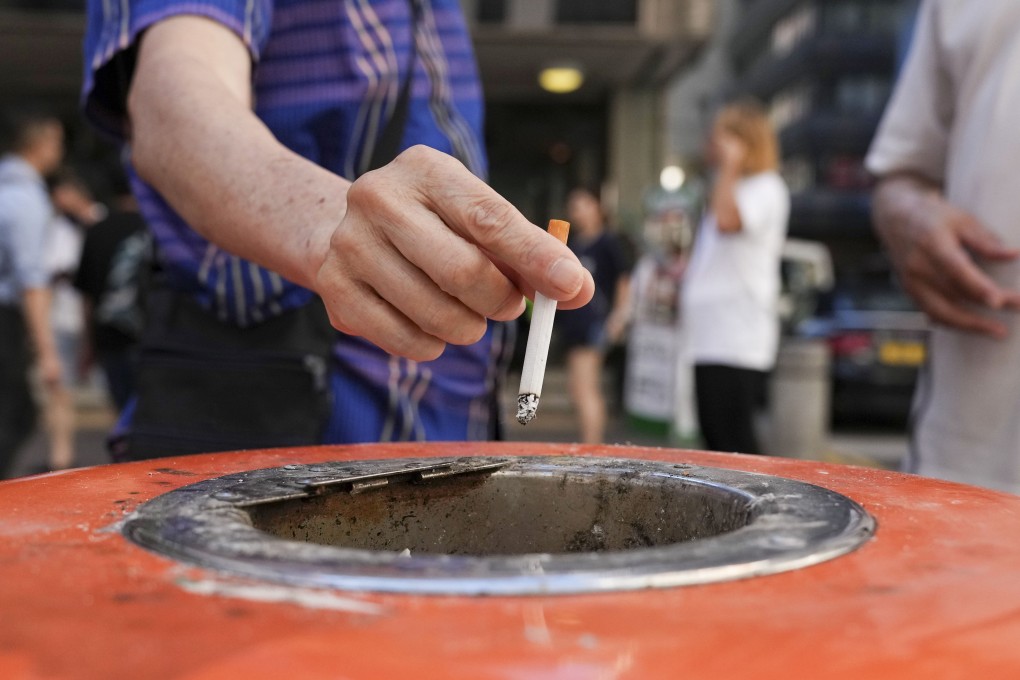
[788, 525]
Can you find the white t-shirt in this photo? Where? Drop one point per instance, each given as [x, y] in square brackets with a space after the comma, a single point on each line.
[731, 292]
[954, 118]
[62, 256]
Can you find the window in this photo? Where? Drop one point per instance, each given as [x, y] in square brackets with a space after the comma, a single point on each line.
[857, 16]
[862, 95]
[793, 29]
[799, 174]
[789, 106]
[491, 11]
[596, 12]
[846, 173]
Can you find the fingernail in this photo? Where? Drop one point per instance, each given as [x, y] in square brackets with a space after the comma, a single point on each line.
[566, 275]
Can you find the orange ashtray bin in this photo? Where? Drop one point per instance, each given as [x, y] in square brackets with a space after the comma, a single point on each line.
[506, 561]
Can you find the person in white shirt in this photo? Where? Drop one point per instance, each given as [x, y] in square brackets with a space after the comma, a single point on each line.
[946, 207]
[76, 210]
[731, 295]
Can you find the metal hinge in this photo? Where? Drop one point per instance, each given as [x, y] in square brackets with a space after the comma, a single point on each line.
[305, 486]
[374, 480]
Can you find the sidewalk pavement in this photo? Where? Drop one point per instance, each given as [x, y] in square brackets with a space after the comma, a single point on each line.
[555, 423]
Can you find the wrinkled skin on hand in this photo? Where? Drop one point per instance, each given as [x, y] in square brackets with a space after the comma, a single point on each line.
[935, 247]
[426, 252]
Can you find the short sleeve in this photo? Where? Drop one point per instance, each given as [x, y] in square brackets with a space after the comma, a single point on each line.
[914, 133]
[29, 217]
[762, 202]
[112, 35]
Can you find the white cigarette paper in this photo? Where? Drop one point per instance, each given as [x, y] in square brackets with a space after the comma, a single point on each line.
[537, 353]
[535, 358]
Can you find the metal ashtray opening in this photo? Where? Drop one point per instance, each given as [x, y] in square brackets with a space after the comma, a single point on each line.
[513, 513]
[513, 526]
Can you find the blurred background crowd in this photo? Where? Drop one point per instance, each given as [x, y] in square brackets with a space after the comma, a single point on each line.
[602, 112]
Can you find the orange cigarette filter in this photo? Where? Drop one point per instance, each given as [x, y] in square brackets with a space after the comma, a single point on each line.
[559, 229]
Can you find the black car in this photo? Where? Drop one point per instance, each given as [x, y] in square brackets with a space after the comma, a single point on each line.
[878, 341]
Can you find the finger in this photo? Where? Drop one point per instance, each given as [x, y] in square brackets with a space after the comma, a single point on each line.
[475, 211]
[953, 263]
[582, 298]
[950, 290]
[411, 292]
[955, 314]
[458, 268]
[383, 325]
[983, 242]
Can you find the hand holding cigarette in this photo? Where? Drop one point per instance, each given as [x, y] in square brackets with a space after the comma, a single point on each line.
[539, 338]
[426, 252]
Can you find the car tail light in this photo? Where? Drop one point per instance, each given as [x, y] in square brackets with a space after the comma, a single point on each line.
[850, 344]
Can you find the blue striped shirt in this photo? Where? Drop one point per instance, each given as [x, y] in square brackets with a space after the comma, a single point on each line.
[326, 77]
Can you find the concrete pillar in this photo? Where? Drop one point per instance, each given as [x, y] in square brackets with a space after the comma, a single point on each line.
[522, 15]
[636, 150]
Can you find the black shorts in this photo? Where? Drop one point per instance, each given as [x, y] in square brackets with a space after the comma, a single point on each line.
[589, 335]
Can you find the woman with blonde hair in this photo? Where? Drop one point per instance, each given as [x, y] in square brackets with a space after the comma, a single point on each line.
[731, 292]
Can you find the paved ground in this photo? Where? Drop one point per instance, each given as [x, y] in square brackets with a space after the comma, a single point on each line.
[94, 420]
[858, 446]
[870, 447]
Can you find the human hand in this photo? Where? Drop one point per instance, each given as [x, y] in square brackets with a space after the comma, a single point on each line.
[49, 370]
[616, 325]
[933, 245]
[426, 252]
[730, 150]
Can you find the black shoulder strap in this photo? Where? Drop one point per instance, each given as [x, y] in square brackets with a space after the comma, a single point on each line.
[388, 145]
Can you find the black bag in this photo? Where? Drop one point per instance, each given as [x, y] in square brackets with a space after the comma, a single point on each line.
[208, 386]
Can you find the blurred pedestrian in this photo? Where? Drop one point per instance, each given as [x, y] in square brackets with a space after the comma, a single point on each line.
[114, 265]
[73, 198]
[946, 207]
[660, 379]
[731, 295]
[587, 333]
[36, 148]
[76, 210]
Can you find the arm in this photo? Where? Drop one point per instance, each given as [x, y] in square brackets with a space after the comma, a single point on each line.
[724, 201]
[933, 245]
[426, 249]
[36, 306]
[724, 206]
[619, 316]
[30, 219]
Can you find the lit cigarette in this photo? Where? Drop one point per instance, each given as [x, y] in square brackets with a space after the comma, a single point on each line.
[539, 336]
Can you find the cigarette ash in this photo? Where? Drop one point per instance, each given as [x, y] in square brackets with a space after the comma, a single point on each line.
[527, 407]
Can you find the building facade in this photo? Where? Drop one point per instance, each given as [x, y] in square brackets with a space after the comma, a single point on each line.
[826, 69]
[607, 132]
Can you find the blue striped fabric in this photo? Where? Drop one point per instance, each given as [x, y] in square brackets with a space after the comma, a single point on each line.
[327, 75]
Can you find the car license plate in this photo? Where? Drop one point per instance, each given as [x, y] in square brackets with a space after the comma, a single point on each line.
[894, 353]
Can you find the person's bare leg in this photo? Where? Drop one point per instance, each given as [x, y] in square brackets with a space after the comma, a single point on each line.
[60, 420]
[584, 373]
